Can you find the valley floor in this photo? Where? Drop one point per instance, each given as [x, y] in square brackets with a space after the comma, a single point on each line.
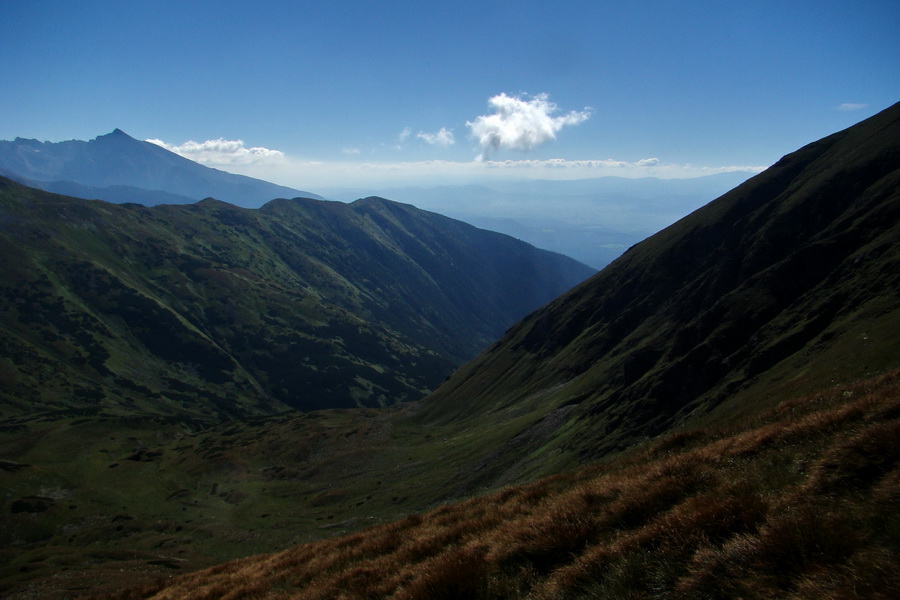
[799, 503]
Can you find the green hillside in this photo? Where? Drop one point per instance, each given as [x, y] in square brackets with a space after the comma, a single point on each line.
[211, 311]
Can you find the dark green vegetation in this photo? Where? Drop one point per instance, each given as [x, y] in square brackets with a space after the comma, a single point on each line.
[213, 311]
[685, 365]
[118, 168]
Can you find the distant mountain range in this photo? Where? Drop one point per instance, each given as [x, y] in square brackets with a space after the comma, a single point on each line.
[118, 168]
[591, 220]
[211, 309]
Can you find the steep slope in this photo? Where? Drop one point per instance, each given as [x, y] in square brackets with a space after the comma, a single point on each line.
[785, 283]
[102, 167]
[215, 311]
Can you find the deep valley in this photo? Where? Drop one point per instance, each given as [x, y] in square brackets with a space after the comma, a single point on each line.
[368, 400]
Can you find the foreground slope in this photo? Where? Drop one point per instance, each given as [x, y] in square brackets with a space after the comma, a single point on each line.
[213, 311]
[118, 168]
[795, 503]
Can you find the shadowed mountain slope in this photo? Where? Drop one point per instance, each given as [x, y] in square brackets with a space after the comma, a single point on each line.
[118, 168]
[788, 281]
[210, 309]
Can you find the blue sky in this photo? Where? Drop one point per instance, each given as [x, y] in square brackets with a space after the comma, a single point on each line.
[314, 94]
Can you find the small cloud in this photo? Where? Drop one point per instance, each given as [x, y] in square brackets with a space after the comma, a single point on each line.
[647, 162]
[350, 151]
[444, 137]
[404, 135]
[519, 123]
[221, 152]
[851, 106]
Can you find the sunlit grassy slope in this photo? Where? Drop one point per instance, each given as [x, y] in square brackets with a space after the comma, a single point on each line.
[799, 502]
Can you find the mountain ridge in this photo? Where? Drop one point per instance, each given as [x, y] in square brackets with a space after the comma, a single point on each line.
[677, 333]
[313, 302]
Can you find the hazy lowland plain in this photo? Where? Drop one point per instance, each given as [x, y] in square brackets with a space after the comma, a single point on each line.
[713, 415]
[591, 220]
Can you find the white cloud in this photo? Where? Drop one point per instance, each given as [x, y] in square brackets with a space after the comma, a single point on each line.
[444, 137]
[851, 106]
[404, 135]
[518, 123]
[647, 162]
[222, 152]
[350, 151]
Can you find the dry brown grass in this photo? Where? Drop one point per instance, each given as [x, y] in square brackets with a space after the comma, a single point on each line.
[800, 504]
